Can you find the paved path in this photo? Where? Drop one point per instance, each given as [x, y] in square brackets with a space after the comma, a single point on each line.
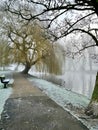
[24, 88]
[29, 109]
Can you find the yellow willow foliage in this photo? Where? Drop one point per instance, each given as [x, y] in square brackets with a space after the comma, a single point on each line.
[5, 58]
[53, 62]
[54, 59]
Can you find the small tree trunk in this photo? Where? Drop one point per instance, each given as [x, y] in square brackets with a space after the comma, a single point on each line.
[92, 108]
[27, 68]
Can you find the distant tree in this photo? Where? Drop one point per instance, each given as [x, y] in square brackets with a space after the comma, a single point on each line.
[4, 54]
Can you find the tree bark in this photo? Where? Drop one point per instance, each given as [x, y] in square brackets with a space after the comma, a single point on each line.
[27, 68]
[92, 109]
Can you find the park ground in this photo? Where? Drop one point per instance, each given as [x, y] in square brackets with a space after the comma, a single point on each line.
[30, 107]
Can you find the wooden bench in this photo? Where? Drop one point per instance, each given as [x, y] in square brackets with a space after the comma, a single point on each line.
[6, 81]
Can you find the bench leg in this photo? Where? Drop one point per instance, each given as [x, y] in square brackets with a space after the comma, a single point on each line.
[5, 85]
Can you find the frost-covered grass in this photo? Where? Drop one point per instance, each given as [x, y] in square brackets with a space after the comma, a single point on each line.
[5, 93]
[61, 95]
[66, 98]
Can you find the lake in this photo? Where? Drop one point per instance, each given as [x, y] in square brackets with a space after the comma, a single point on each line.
[80, 82]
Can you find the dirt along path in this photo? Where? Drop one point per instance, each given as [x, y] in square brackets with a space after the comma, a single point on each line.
[29, 109]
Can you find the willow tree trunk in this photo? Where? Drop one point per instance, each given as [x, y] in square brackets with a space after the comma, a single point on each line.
[92, 108]
[27, 68]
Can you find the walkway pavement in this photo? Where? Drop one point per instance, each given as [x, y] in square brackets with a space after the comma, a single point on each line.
[29, 109]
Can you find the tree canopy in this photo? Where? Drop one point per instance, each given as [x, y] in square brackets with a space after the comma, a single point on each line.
[62, 17]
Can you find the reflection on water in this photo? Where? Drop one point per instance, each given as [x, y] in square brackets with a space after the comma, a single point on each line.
[80, 82]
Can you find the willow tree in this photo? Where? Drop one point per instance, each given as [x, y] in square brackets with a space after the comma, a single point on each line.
[30, 46]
